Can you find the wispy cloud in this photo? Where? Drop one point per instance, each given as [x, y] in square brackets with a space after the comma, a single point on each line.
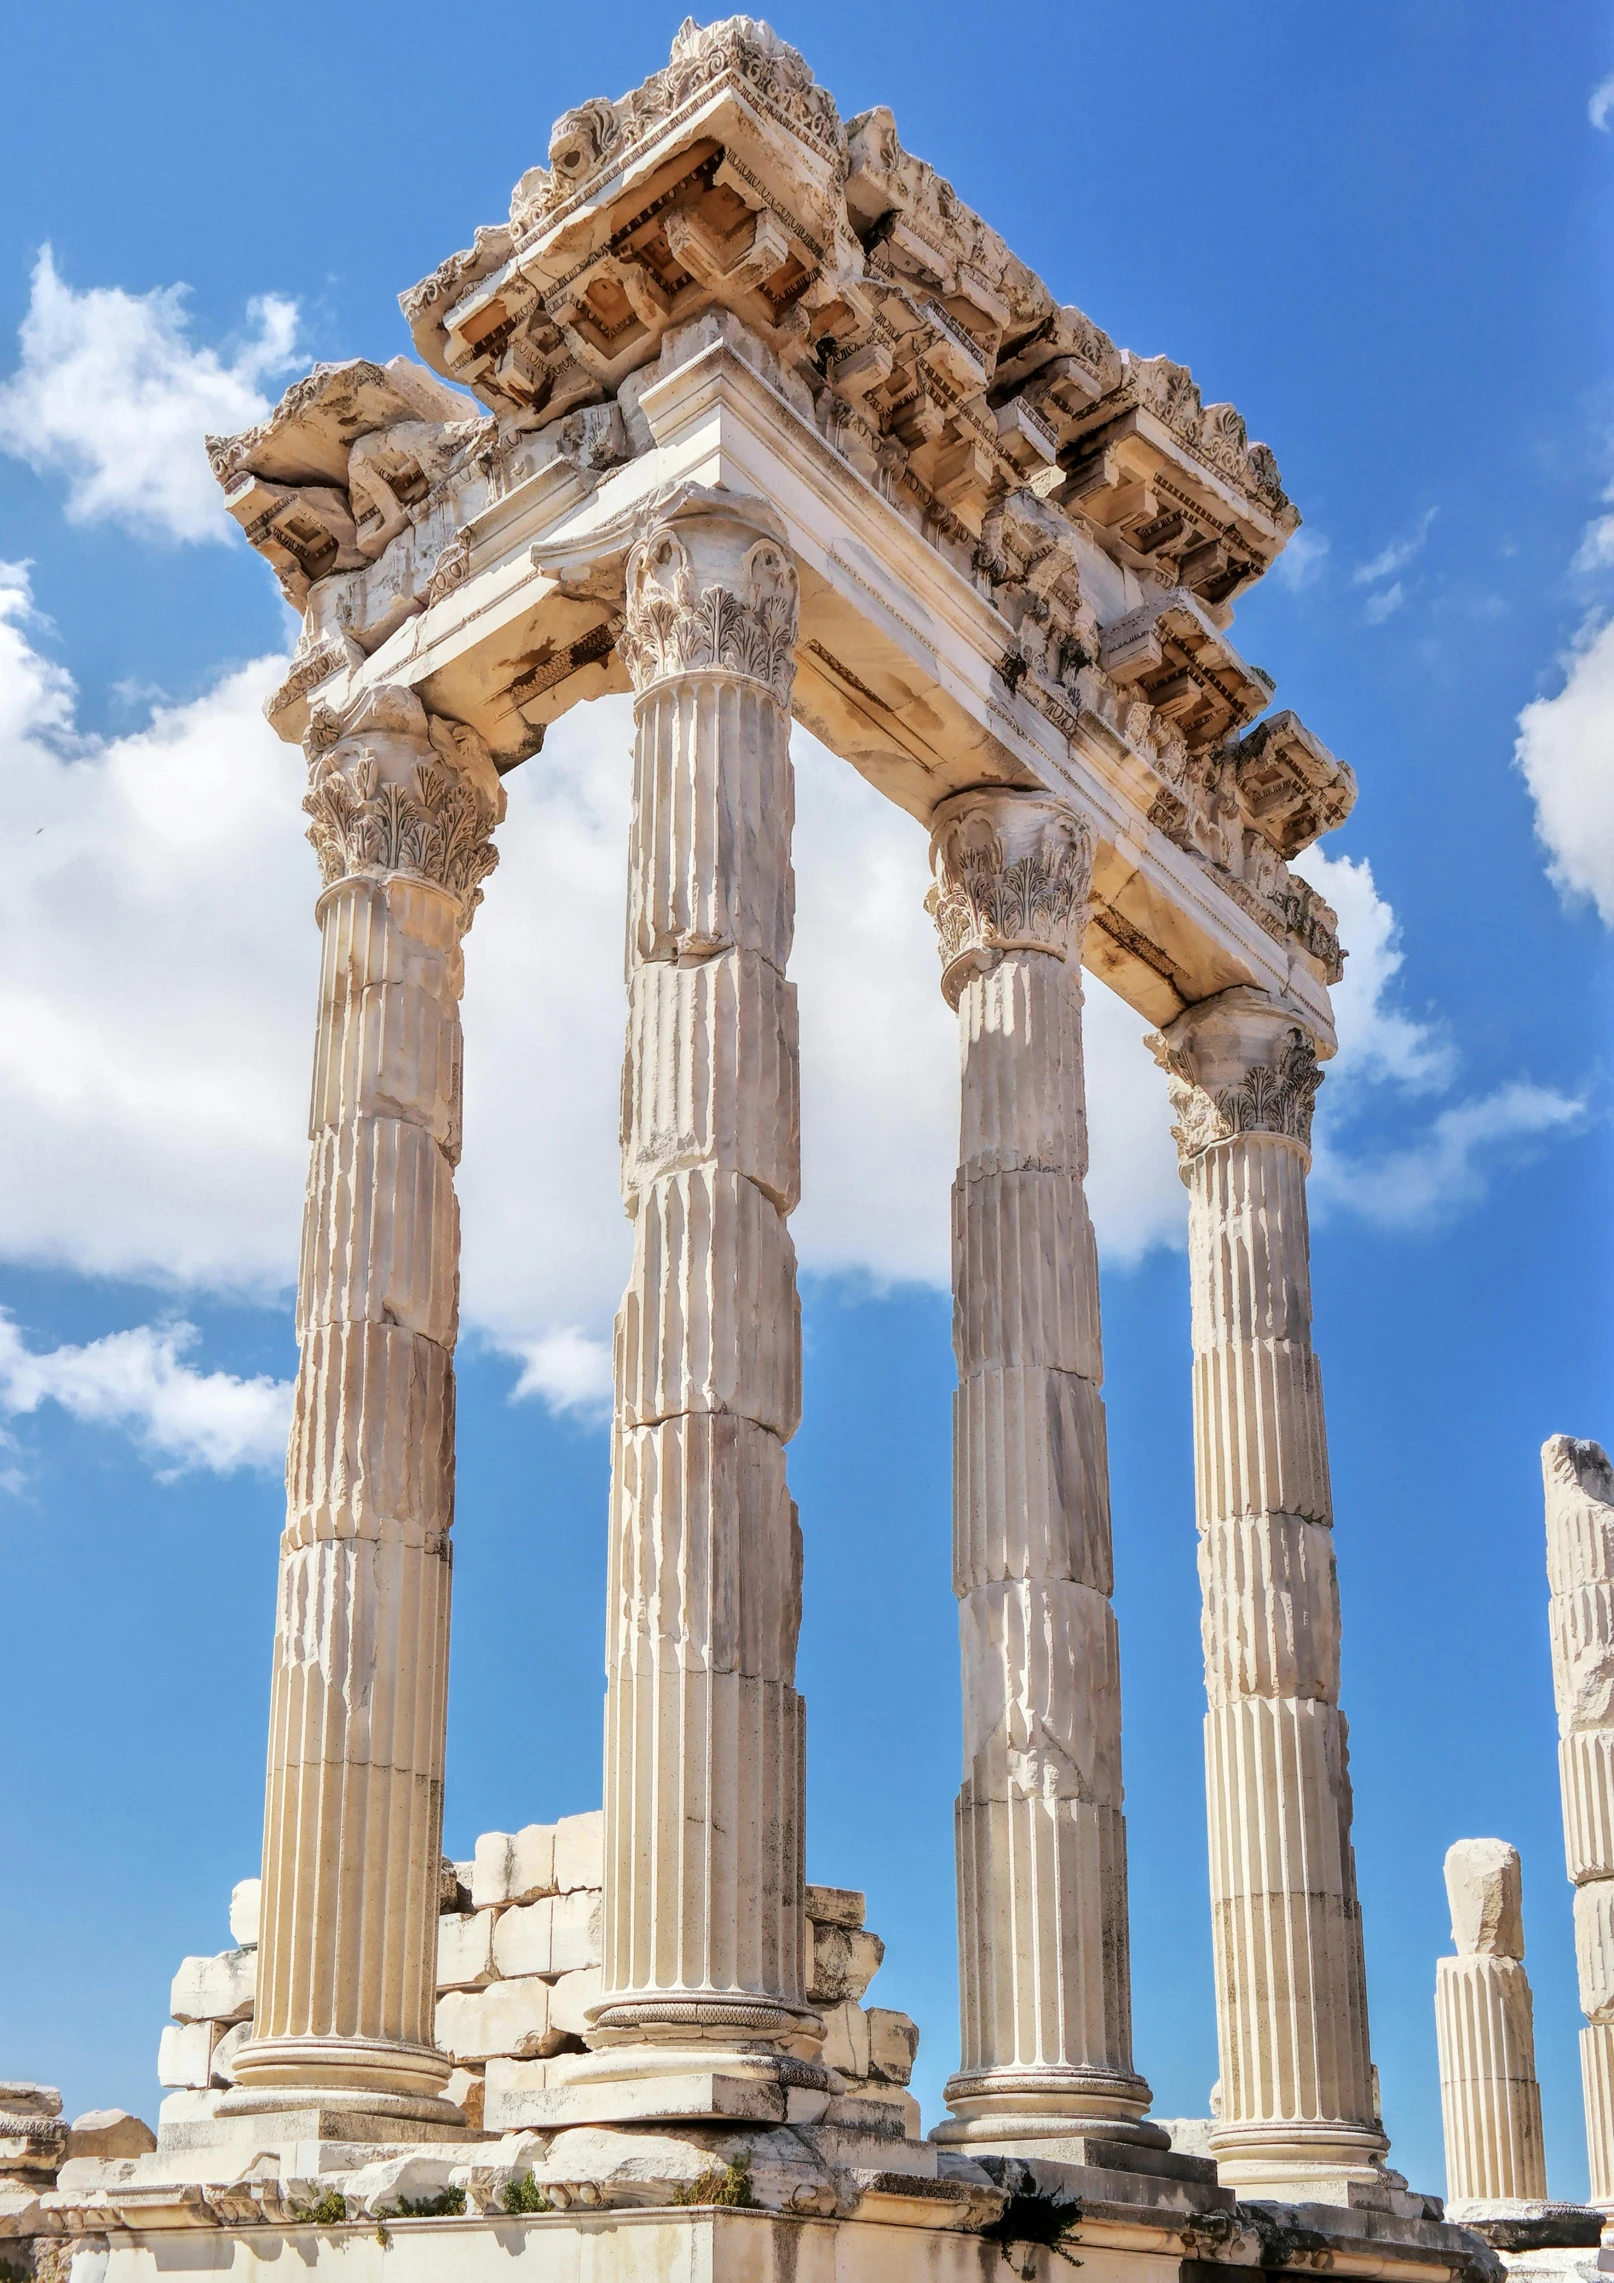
[570, 1370]
[1600, 106]
[1395, 557]
[1434, 1166]
[1302, 562]
[1379, 607]
[139, 1382]
[1448, 1165]
[112, 393]
[1378, 1038]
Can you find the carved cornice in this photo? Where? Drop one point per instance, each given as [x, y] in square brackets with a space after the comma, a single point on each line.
[393, 789]
[1012, 873]
[676, 625]
[1237, 1064]
[601, 136]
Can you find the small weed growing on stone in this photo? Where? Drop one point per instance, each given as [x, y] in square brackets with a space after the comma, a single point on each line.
[1039, 2222]
[325, 2211]
[728, 2184]
[523, 2194]
[446, 2205]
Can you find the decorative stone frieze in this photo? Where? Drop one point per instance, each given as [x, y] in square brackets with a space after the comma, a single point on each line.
[401, 809]
[1297, 2105]
[1044, 1975]
[1579, 1485]
[1484, 2027]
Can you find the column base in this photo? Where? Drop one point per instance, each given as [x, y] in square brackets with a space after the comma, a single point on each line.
[366, 2076]
[1305, 2162]
[655, 2056]
[627, 2031]
[1020, 2112]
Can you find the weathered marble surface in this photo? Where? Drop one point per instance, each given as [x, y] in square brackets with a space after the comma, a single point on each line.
[1041, 1838]
[1579, 1487]
[342, 1986]
[1485, 2029]
[1297, 2093]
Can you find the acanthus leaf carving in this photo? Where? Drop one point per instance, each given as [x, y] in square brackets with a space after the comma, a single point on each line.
[394, 790]
[673, 627]
[1013, 872]
[1272, 1095]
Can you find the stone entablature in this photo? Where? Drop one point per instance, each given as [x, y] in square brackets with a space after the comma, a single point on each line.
[716, 277]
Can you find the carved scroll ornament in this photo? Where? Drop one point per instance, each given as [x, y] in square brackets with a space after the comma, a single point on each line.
[1012, 873]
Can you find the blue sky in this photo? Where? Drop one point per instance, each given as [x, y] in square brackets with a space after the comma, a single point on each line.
[1383, 233]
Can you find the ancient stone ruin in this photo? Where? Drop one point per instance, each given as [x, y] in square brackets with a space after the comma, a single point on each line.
[742, 410]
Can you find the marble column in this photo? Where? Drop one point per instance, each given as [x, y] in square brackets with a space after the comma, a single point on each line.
[1297, 2096]
[704, 1729]
[1579, 1485]
[1041, 1839]
[1490, 2102]
[402, 808]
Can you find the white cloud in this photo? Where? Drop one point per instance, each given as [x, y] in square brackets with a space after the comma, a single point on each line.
[1601, 104]
[1447, 1161]
[139, 1382]
[157, 975]
[1565, 751]
[1302, 562]
[1396, 556]
[570, 1370]
[112, 393]
[1596, 550]
[1377, 1038]
[1447, 1166]
[1381, 606]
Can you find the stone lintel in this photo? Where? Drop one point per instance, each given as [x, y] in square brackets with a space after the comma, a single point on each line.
[898, 670]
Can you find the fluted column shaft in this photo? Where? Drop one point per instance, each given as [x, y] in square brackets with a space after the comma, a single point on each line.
[1041, 1839]
[1579, 1485]
[402, 809]
[1490, 2102]
[704, 1731]
[1297, 2100]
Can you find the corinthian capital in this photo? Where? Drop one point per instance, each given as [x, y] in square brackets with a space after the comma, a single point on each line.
[1241, 1063]
[711, 589]
[1012, 873]
[393, 789]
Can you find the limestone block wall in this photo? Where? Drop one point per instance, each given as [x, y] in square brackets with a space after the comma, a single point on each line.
[518, 1966]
